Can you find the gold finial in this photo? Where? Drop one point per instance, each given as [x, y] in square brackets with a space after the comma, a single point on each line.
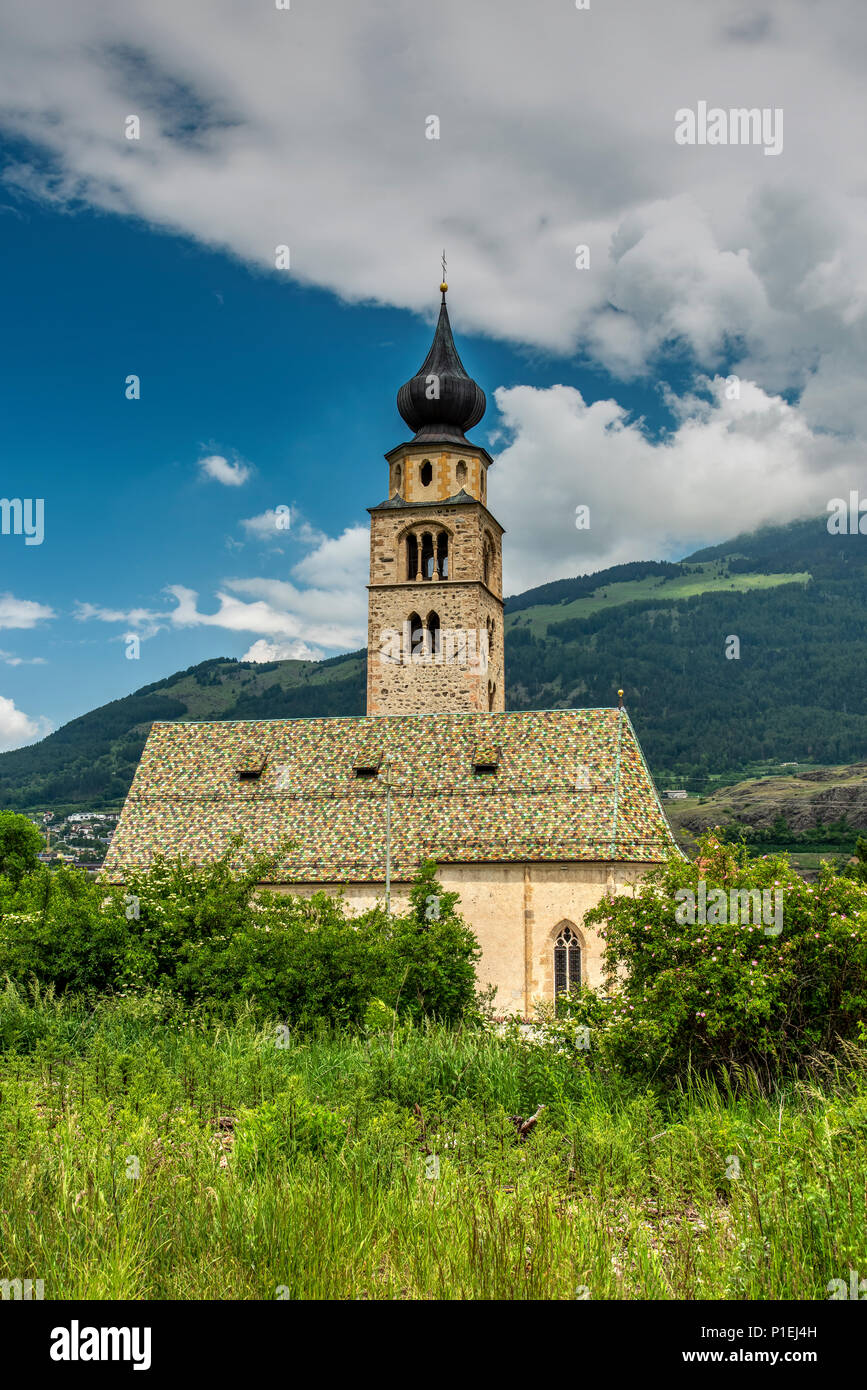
[444, 285]
[620, 699]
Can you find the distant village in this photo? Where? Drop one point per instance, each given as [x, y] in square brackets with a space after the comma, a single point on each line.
[81, 838]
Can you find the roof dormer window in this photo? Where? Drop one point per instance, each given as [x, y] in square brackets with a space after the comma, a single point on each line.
[250, 766]
[367, 762]
[486, 758]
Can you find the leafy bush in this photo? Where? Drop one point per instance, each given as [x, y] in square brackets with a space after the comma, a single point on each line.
[20, 845]
[712, 994]
[53, 929]
[210, 937]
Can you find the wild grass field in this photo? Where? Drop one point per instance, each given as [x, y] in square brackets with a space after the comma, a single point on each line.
[146, 1153]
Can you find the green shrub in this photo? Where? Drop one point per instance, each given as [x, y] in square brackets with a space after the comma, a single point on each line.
[20, 845]
[209, 937]
[711, 994]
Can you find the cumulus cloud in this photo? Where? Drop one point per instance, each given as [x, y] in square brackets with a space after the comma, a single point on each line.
[324, 610]
[545, 142]
[18, 728]
[718, 256]
[270, 526]
[280, 651]
[222, 471]
[731, 464]
[22, 612]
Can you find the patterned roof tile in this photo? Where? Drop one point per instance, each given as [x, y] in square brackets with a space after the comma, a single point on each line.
[570, 785]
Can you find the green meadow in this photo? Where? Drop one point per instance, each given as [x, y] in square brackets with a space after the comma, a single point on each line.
[146, 1153]
[711, 578]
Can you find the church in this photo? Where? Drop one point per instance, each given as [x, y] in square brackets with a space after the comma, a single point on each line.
[531, 816]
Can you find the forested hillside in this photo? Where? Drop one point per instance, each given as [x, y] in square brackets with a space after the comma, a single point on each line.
[794, 597]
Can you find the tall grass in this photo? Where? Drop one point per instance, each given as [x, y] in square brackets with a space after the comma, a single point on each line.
[389, 1167]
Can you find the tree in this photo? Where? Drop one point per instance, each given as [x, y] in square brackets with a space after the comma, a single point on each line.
[20, 845]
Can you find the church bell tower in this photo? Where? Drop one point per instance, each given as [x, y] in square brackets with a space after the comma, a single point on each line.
[435, 608]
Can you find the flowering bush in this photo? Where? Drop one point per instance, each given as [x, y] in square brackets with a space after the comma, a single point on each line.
[706, 993]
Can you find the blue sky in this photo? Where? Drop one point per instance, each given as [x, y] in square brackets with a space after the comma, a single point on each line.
[700, 374]
[241, 363]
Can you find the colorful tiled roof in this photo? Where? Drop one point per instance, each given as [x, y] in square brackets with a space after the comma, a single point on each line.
[569, 785]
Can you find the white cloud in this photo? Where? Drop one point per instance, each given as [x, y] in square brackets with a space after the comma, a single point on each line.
[229, 474]
[729, 466]
[22, 612]
[144, 622]
[557, 129]
[10, 659]
[276, 528]
[325, 610]
[18, 728]
[307, 128]
[280, 651]
[270, 526]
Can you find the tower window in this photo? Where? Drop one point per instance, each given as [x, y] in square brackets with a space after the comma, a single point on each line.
[486, 558]
[413, 637]
[443, 555]
[567, 961]
[426, 473]
[434, 645]
[397, 475]
[427, 556]
[411, 557]
[492, 691]
[461, 473]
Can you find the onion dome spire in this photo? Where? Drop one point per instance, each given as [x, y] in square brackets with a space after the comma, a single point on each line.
[441, 401]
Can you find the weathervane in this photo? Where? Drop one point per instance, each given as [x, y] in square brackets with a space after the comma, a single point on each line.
[444, 285]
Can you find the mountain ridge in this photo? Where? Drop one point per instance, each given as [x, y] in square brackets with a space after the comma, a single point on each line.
[794, 596]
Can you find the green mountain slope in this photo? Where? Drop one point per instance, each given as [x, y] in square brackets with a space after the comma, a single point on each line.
[88, 764]
[794, 596]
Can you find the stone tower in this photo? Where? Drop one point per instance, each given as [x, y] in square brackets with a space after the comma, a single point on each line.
[435, 608]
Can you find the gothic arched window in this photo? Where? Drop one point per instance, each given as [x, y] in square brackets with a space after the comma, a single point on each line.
[492, 690]
[567, 961]
[461, 473]
[411, 556]
[426, 473]
[443, 555]
[427, 556]
[433, 640]
[487, 556]
[413, 636]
